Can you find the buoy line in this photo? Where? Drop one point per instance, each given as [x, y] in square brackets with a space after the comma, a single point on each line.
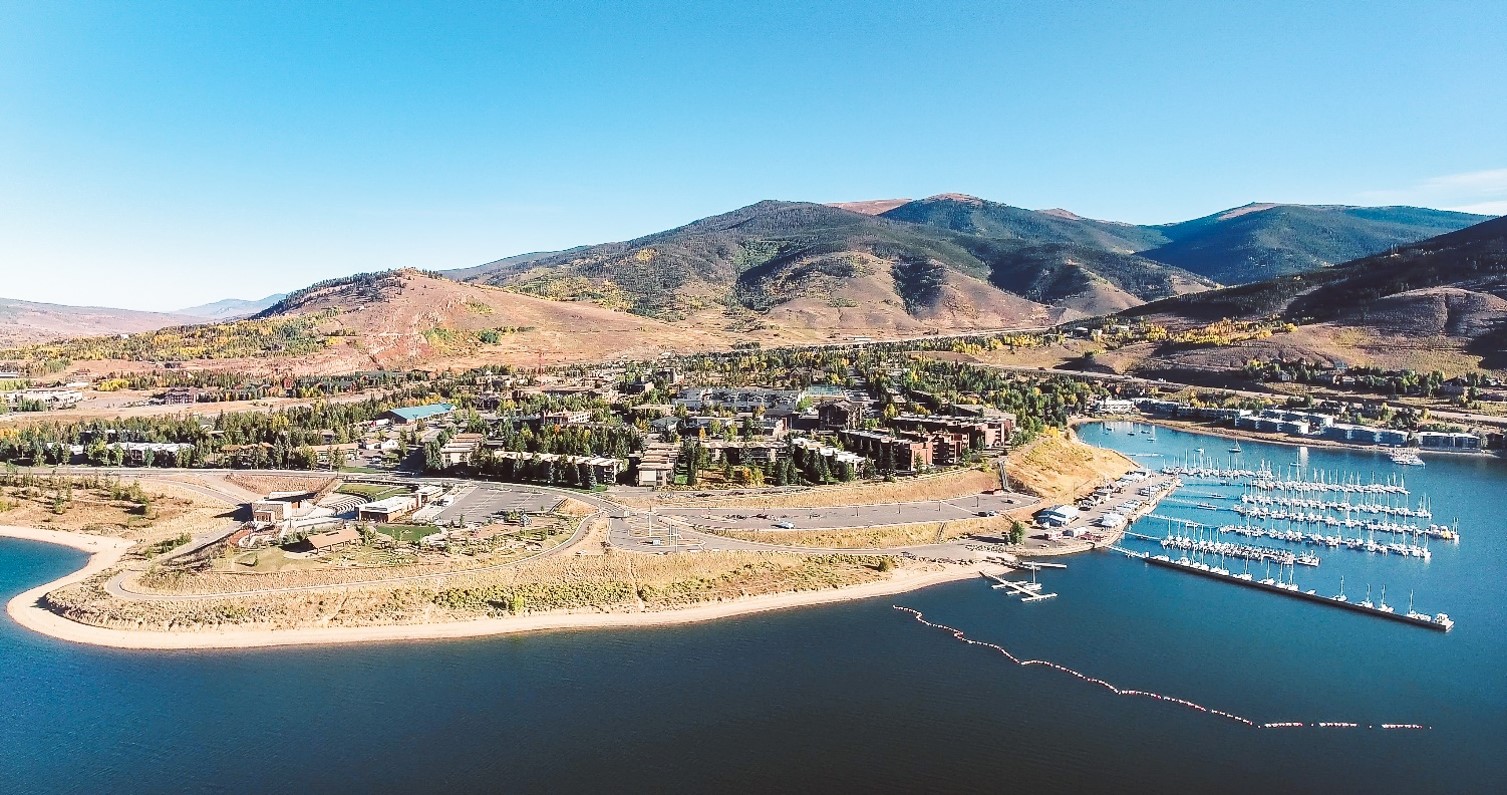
[1120, 691]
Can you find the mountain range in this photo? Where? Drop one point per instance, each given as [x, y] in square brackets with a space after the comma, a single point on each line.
[1440, 303]
[817, 266]
[231, 308]
[780, 271]
[952, 258]
[24, 322]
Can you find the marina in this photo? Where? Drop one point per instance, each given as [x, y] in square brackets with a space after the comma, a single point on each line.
[1439, 621]
[1297, 504]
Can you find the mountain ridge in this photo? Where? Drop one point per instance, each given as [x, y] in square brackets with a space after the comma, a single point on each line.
[759, 257]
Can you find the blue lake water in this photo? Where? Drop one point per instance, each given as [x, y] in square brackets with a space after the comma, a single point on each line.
[845, 697]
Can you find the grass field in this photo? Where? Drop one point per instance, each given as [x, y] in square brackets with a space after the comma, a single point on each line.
[371, 491]
[407, 532]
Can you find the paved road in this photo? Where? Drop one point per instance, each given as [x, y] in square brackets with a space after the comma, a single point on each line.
[850, 517]
[489, 500]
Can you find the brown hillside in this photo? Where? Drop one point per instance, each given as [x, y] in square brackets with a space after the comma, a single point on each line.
[26, 322]
[409, 319]
[870, 206]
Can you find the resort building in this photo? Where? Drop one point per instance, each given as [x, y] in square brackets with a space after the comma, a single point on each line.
[1365, 434]
[826, 451]
[604, 470]
[981, 431]
[1436, 440]
[656, 465]
[901, 454]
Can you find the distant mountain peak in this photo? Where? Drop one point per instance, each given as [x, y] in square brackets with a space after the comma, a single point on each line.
[962, 198]
[1253, 207]
[230, 308]
[869, 206]
[1058, 212]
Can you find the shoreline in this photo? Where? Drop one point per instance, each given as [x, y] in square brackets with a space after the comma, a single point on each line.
[26, 612]
[1225, 432]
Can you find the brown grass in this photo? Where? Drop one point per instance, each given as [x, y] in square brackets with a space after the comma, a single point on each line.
[1056, 467]
[92, 510]
[947, 485]
[596, 583]
[887, 537]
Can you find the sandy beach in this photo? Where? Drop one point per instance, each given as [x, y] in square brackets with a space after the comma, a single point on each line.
[24, 609]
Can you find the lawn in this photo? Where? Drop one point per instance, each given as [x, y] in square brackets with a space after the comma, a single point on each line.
[371, 491]
[406, 532]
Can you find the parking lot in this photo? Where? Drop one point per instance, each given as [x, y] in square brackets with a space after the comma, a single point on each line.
[485, 502]
[753, 518]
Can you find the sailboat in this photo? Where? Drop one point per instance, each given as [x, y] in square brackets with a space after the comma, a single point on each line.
[1340, 597]
[1235, 448]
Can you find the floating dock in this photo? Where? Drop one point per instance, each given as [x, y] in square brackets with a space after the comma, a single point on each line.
[1441, 622]
[1028, 591]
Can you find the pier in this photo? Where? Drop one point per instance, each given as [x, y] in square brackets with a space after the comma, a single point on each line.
[1440, 622]
[1027, 591]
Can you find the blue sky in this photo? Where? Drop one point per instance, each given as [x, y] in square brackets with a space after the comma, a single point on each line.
[156, 155]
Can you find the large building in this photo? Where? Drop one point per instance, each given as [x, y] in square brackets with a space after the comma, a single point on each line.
[460, 449]
[1436, 440]
[48, 399]
[411, 414]
[901, 454]
[391, 509]
[986, 431]
[1058, 515]
[1365, 434]
[604, 470]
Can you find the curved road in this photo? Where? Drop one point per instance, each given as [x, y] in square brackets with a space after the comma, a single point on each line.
[620, 532]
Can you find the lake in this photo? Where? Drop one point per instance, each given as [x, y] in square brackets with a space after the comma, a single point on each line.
[841, 697]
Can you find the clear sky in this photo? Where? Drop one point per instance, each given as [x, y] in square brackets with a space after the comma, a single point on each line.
[155, 155]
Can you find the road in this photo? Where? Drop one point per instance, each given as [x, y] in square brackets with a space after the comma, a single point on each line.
[629, 529]
[850, 517]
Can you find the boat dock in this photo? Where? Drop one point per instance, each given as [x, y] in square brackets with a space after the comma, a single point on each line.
[1027, 591]
[1440, 622]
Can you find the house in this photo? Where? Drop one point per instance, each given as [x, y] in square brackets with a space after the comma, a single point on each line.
[48, 399]
[412, 414]
[160, 453]
[1272, 425]
[180, 396]
[1365, 434]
